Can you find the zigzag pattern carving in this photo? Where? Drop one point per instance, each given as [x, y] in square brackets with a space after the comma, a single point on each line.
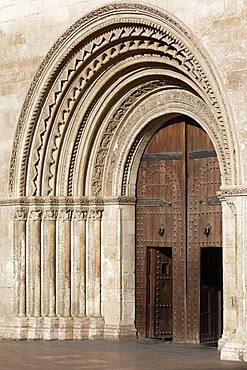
[165, 45]
[72, 100]
[151, 37]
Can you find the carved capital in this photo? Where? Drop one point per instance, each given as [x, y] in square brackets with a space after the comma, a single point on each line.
[96, 214]
[80, 215]
[51, 214]
[232, 206]
[21, 214]
[66, 214]
[36, 215]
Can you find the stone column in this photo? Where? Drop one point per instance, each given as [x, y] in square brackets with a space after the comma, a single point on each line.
[20, 220]
[64, 275]
[34, 275]
[96, 322]
[78, 284]
[49, 275]
[118, 268]
[127, 262]
[233, 344]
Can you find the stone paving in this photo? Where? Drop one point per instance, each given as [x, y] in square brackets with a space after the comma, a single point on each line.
[107, 355]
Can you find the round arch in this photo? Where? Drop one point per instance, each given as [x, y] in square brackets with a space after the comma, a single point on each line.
[100, 64]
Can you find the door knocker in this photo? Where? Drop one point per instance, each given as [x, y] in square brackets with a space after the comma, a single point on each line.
[161, 230]
[207, 229]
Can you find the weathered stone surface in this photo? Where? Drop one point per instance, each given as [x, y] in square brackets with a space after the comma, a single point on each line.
[67, 257]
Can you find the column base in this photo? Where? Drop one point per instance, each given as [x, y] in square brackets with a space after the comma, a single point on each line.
[222, 341]
[50, 328]
[96, 327]
[233, 348]
[21, 327]
[80, 328]
[35, 328]
[65, 328]
[120, 332]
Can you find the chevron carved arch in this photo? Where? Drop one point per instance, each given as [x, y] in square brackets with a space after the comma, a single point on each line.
[89, 83]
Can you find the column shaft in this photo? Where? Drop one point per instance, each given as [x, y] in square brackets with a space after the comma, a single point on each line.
[64, 264]
[20, 261]
[94, 262]
[67, 267]
[49, 270]
[79, 265]
[97, 259]
[34, 303]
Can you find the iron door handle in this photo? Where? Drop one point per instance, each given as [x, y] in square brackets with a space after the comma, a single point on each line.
[207, 229]
[161, 230]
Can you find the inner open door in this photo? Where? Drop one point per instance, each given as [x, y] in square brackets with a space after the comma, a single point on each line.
[211, 294]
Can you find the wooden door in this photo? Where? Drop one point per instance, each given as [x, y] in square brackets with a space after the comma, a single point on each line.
[177, 210]
[203, 217]
[159, 292]
[160, 220]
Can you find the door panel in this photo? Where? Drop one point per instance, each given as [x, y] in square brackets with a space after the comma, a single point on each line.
[203, 216]
[161, 203]
[159, 297]
[177, 210]
[163, 284]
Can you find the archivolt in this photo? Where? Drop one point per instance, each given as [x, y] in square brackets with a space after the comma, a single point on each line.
[88, 85]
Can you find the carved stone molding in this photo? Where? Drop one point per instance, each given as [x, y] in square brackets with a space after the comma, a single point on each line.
[96, 201]
[128, 163]
[111, 127]
[136, 28]
[44, 201]
[233, 191]
[23, 212]
[124, 200]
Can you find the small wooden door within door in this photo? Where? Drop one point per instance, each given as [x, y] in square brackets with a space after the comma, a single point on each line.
[159, 291]
[178, 211]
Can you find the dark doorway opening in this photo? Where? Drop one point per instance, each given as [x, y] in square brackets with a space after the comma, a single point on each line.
[211, 294]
